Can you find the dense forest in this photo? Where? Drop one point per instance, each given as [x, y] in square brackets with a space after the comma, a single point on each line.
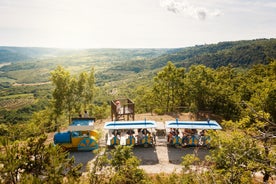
[234, 82]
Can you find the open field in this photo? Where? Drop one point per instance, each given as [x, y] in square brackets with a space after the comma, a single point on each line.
[16, 101]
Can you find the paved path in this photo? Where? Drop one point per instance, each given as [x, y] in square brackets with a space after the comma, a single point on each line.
[156, 159]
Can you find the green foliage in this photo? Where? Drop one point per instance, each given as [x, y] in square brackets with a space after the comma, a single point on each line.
[224, 95]
[168, 88]
[117, 166]
[34, 160]
[163, 178]
[4, 130]
[270, 102]
[14, 102]
[99, 172]
[198, 86]
[235, 156]
[126, 166]
[44, 121]
[101, 112]
[245, 97]
[144, 100]
[238, 54]
[71, 94]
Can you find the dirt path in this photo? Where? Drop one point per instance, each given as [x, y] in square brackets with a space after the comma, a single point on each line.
[158, 159]
[31, 84]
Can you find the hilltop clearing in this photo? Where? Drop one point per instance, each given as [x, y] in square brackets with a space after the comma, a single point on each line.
[157, 159]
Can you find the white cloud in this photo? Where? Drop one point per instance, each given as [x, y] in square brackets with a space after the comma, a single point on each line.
[189, 8]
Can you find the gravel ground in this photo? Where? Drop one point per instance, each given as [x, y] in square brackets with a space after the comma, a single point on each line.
[155, 159]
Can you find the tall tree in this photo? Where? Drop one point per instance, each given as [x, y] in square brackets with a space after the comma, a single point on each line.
[36, 162]
[168, 87]
[225, 98]
[234, 155]
[71, 94]
[71, 97]
[61, 80]
[198, 86]
[90, 89]
[80, 92]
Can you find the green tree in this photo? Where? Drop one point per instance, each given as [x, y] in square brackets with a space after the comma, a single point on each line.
[270, 102]
[123, 168]
[44, 121]
[168, 87]
[144, 101]
[100, 173]
[90, 88]
[234, 156]
[198, 88]
[61, 80]
[79, 92]
[71, 94]
[101, 111]
[126, 166]
[225, 98]
[37, 161]
[261, 129]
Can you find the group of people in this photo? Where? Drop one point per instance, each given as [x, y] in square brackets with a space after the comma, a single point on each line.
[85, 115]
[174, 132]
[141, 133]
[186, 135]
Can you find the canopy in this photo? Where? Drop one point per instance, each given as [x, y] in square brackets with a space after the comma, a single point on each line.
[210, 124]
[129, 124]
[81, 124]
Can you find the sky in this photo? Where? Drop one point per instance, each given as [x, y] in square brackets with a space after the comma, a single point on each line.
[133, 23]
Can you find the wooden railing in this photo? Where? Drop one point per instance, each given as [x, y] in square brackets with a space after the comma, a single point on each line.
[122, 107]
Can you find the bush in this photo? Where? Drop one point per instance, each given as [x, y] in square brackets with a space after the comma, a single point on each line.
[35, 161]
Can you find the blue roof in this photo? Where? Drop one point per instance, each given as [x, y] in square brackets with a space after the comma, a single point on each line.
[211, 124]
[130, 124]
[82, 122]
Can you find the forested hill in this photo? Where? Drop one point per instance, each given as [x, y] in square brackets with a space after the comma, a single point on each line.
[19, 54]
[236, 53]
[8, 55]
[15, 54]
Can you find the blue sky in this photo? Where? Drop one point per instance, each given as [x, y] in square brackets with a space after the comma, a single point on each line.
[133, 23]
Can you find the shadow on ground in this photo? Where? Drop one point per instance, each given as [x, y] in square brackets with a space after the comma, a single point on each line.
[175, 154]
[147, 156]
[83, 158]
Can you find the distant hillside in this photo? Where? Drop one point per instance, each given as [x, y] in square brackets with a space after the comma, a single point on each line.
[15, 54]
[237, 53]
[31, 65]
[7, 55]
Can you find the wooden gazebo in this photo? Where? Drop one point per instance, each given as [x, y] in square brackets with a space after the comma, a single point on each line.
[121, 109]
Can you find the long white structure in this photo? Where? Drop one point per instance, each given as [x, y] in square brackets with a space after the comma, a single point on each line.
[210, 124]
[129, 124]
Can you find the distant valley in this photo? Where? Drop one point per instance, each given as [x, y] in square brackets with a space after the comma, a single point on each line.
[23, 65]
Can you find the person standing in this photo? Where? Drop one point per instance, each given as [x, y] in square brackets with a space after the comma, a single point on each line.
[86, 115]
